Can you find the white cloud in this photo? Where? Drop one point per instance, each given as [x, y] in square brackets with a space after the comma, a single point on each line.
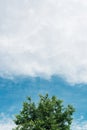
[79, 125]
[6, 123]
[44, 38]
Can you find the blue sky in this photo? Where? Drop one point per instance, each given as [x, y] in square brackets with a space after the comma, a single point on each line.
[14, 92]
[43, 49]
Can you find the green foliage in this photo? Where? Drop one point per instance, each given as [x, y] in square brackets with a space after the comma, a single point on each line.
[48, 114]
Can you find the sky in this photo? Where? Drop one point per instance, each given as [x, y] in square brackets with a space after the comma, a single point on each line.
[43, 49]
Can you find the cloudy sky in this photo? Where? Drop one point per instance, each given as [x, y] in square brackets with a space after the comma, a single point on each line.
[43, 49]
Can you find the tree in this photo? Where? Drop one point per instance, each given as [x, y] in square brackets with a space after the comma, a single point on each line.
[48, 114]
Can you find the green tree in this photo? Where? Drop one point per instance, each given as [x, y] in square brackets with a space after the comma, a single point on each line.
[48, 114]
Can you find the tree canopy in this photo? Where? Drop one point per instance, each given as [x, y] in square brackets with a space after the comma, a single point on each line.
[48, 114]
